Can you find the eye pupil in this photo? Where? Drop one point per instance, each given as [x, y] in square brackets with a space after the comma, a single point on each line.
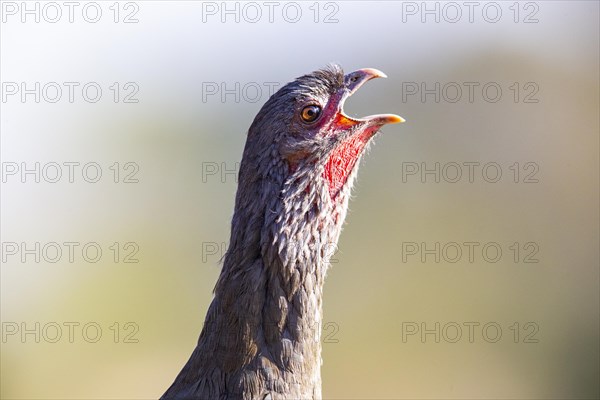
[310, 113]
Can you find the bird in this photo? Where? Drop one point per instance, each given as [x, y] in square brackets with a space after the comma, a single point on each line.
[261, 335]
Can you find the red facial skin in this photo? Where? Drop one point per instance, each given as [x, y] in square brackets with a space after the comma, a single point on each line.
[343, 158]
[333, 121]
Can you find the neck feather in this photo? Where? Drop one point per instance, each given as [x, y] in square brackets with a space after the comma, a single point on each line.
[262, 331]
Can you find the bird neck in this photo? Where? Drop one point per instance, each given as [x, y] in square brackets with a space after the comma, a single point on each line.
[262, 330]
[268, 299]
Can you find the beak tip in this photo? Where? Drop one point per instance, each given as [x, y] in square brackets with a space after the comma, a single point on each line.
[373, 73]
[380, 74]
[395, 119]
[384, 119]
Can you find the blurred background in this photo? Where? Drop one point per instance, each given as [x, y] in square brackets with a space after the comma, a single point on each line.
[469, 265]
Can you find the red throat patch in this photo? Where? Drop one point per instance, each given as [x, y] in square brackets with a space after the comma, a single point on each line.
[342, 160]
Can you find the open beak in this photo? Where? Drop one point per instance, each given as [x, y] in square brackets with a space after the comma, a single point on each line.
[353, 134]
[352, 82]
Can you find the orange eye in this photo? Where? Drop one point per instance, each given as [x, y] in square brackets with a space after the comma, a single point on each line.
[310, 113]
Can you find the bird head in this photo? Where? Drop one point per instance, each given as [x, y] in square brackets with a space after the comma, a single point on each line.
[312, 133]
[300, 159]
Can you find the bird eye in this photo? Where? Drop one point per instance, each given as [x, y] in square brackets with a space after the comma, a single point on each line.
[310, 113]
